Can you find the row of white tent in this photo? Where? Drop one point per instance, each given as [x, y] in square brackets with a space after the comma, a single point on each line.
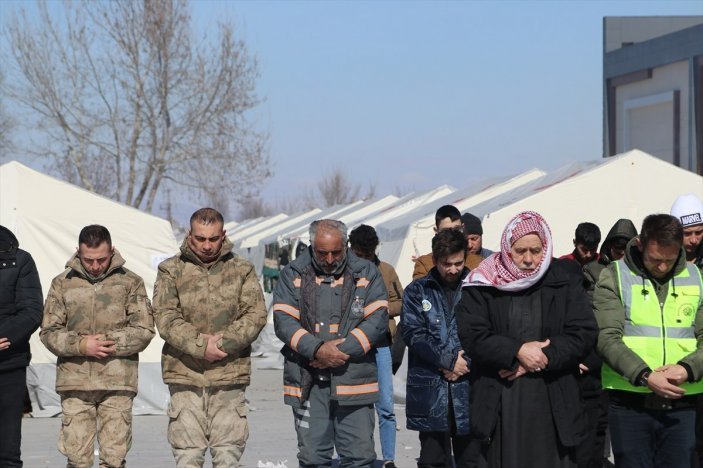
[46, 214]
[631, 185]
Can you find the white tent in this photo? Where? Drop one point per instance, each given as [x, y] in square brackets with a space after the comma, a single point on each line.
[403, 237]
[46, 215]
[248, 228]
[406, 204]
[350, 218]
[630, 185]
[251, 248]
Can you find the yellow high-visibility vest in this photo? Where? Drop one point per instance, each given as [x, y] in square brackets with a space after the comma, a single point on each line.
[659, 334]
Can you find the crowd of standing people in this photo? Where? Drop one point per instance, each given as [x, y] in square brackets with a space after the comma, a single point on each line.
[515, 358]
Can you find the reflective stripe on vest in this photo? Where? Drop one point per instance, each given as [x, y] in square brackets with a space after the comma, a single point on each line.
[658, 333]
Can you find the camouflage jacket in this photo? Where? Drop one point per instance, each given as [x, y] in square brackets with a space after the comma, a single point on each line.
[191, 298]
[117, 306]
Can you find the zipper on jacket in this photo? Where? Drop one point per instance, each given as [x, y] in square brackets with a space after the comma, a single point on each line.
[661, 313]
[92, 328]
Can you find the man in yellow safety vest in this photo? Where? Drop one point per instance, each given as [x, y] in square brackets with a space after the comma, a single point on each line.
[648, 307]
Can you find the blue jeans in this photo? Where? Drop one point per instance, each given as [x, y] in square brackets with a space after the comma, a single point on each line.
[384, 405]
[651, 438]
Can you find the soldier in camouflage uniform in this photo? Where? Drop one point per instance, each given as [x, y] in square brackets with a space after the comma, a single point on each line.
[97, 318]
[209, 308]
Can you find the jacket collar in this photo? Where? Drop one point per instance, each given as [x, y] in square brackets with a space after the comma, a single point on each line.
[633, 259]
[188, 254]
[116, 262]
[433, 276]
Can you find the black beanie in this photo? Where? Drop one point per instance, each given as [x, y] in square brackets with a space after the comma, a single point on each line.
[472, 225]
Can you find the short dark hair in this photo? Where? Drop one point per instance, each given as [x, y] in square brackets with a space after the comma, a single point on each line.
[364, 239]
[587, 234]
[446, 211]
[94, 235]
[448, 242]
[207, 216]
[663, 229]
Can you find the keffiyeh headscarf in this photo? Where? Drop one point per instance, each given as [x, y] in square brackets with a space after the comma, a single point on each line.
[499, 270]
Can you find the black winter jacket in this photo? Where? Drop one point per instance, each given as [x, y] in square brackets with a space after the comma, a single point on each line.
[20, 301]
[567, 320]
[429, 328]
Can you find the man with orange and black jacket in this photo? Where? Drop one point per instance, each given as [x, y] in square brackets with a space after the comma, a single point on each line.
[330, 311]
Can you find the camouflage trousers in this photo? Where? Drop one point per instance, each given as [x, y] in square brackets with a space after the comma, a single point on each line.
[214, 417]
[106, 414]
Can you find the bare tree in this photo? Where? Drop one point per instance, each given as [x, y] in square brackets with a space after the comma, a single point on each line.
[336, 188]
[128, 102]
[288, 205]
[253, 207]
[399, 191]
[7, 124]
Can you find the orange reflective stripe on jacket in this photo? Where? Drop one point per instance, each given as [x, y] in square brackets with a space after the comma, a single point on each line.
[373, 307]
[292, 391]
[287, 309]
[296, 338]
[357, 389]
[363, 339]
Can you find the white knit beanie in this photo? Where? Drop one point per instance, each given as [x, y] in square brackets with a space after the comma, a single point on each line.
[688, 209]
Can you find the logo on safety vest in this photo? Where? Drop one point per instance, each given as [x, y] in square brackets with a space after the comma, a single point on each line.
[686, 310]
[426, 305]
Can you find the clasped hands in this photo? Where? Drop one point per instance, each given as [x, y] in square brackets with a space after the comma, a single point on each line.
[530, 358]
[665, 381]
[97, 346]
[461, 367]
[328, 355]
[212, 352]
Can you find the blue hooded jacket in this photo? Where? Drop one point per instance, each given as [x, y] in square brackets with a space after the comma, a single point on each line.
[430, 331]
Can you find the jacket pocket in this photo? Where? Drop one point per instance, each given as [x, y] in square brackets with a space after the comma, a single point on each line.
[172, 412]
[292, 366]
[421, 396]
[64, 437]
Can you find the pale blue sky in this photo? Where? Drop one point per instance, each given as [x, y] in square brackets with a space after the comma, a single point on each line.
[411, 95]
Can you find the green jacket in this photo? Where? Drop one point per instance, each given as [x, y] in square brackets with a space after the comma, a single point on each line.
[191, 298]
[610, 314]
[117, 306]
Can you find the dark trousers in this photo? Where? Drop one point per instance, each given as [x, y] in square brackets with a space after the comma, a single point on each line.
[697, 460]
[322, 425]
[591, 452]
[12, 390]
[436, 450]
[652, 438]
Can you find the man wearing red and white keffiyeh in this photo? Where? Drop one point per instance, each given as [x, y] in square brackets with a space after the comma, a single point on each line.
[499, 269]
